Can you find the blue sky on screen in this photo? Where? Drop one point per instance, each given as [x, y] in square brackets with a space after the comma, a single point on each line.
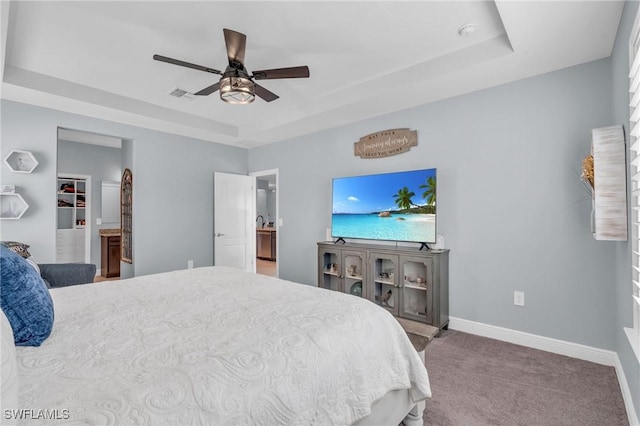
[374, 193]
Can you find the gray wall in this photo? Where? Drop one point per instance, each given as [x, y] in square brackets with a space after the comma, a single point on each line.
[99, 162]
[38, 225]
[622, 286]
[173, 200]
[510, 201]
[173, 186]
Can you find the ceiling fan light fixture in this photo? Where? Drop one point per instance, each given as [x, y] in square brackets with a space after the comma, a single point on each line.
[237, 90]
[236, 84]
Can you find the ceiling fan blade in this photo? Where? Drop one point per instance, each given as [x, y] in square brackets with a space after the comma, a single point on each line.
[185, 64]
[291, 72]
[208, 90]
[264, 93]
[236, 43]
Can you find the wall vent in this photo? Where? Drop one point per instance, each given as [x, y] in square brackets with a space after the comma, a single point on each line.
[180, 93]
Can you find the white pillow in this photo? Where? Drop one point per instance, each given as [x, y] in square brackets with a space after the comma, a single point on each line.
[8, 370]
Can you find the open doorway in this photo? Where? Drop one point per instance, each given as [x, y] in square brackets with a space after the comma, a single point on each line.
[267, 229]
[88, 170]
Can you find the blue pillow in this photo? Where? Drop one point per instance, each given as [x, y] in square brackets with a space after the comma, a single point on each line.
[25, 300]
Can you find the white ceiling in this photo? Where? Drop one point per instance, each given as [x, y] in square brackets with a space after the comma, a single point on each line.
[366, 58]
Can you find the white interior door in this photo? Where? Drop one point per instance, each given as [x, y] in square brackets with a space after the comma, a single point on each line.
[234, 226]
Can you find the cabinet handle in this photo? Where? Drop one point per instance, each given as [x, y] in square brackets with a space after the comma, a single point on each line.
[219, 234]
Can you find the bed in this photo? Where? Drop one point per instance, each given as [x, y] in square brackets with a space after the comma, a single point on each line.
[218, 346]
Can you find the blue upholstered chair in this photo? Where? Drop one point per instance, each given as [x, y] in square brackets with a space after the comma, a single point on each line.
[66, 274]
[55, 274]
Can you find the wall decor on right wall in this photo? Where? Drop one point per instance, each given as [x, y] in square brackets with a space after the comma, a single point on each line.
[609, 183]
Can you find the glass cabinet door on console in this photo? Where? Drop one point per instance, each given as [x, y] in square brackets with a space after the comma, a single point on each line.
[329, 276]
[383, 272]
[353, 272]
[417, 288]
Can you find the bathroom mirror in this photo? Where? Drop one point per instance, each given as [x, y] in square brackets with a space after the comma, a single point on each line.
[110, 201]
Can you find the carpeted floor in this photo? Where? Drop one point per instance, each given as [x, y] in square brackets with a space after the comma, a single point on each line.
[481, 381]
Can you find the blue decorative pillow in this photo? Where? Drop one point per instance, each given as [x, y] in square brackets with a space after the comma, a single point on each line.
[25, 300]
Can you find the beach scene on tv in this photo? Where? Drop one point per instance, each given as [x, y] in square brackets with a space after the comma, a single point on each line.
[397, 206]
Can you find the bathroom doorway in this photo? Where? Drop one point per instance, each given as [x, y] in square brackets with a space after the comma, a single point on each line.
[267, 224]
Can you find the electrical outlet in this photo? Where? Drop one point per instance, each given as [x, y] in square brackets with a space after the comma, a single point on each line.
[190, 264]
[518, 298]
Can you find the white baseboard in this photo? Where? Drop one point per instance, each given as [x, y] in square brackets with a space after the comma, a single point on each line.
[561, 347]
[98, 272]
[626, 394]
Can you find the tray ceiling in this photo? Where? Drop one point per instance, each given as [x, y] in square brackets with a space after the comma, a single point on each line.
[366, 58]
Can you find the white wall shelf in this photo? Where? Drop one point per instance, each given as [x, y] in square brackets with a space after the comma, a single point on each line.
[12, 205]
[21, 161]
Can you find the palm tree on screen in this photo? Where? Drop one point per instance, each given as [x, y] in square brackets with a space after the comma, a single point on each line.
[430, 190]
[403, 198]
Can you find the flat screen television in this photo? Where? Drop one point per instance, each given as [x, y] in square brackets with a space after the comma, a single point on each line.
[398, 206]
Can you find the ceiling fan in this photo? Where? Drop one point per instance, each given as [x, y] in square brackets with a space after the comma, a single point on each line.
[236, 84]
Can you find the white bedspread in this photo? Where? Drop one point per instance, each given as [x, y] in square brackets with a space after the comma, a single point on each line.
[216, 346]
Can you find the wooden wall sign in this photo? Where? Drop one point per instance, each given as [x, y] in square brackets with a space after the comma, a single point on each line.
[385, 143]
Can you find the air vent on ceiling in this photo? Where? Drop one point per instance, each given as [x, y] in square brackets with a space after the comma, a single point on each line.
[183, 94]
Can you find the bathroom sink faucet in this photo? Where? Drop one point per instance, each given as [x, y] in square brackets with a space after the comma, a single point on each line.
[260, 217]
